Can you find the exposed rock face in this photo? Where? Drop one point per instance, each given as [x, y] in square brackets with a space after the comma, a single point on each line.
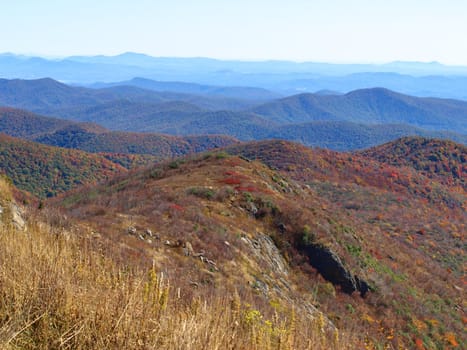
[330, 266]
[265, 249]
[271, 254]
[13, 214]
[17, 217]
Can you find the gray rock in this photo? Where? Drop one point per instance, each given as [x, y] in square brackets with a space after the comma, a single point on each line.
[17, 217]
[188, 249]
[260, 286]
[253, 209]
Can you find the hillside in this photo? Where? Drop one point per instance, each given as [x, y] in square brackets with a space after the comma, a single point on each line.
[442, 160]
[238, 92]
[56, 274]
[345, 136]
[50, 97]
[306, 165]
[43, 94]
[125, 115]
[185, 119]
[375, 247]
[158, 145]
[335, 135]
[372, 106]
[21, 123]
[94, 138]
[46, 171]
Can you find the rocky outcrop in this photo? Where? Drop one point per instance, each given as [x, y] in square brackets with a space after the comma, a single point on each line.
[13, 214]
[17, 217]
[273, 281]
[330, 266]
[263, 248]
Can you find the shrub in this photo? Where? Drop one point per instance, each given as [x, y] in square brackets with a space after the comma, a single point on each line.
[308, 237]
[221, 155]
[202, 192]
[174, 165]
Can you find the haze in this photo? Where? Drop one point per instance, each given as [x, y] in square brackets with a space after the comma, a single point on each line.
[365, 31]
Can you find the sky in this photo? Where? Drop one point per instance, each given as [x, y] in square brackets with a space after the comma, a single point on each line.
[338, 31]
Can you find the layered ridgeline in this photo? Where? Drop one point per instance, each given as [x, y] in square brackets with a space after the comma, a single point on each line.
[414, 78]
[51, 97]
[356, 120]
[91, 137]
[238, 92]
[373, 244]
[372, 106]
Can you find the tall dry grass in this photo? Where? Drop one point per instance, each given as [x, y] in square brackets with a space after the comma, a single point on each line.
[58, 292]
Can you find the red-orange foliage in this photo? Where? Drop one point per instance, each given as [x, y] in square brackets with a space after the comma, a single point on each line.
[176, 207]
[231, 181]
[419, 344]
[247, 189]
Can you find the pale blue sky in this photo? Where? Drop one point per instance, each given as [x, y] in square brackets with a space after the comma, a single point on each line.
[303, 30]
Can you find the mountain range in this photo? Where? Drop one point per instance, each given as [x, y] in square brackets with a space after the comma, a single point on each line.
[280, 77]
[358, 119]
[250, 93]
[176, 203]
[278, 241]
[94, 138]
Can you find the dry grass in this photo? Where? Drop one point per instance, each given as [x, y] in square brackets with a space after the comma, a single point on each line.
[58, 292]
[5, 188]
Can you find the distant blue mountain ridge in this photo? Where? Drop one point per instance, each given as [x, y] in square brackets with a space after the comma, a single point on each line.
[281, 77]
[358, 119]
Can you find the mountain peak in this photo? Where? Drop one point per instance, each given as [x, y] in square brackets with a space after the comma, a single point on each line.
[130, 54]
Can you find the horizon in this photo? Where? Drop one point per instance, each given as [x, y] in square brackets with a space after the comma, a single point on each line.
[246, 60]
[366, 31]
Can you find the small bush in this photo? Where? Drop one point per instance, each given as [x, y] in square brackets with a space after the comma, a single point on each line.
[307, 236]
[202, 192]
[174, 165]
[221, 155]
